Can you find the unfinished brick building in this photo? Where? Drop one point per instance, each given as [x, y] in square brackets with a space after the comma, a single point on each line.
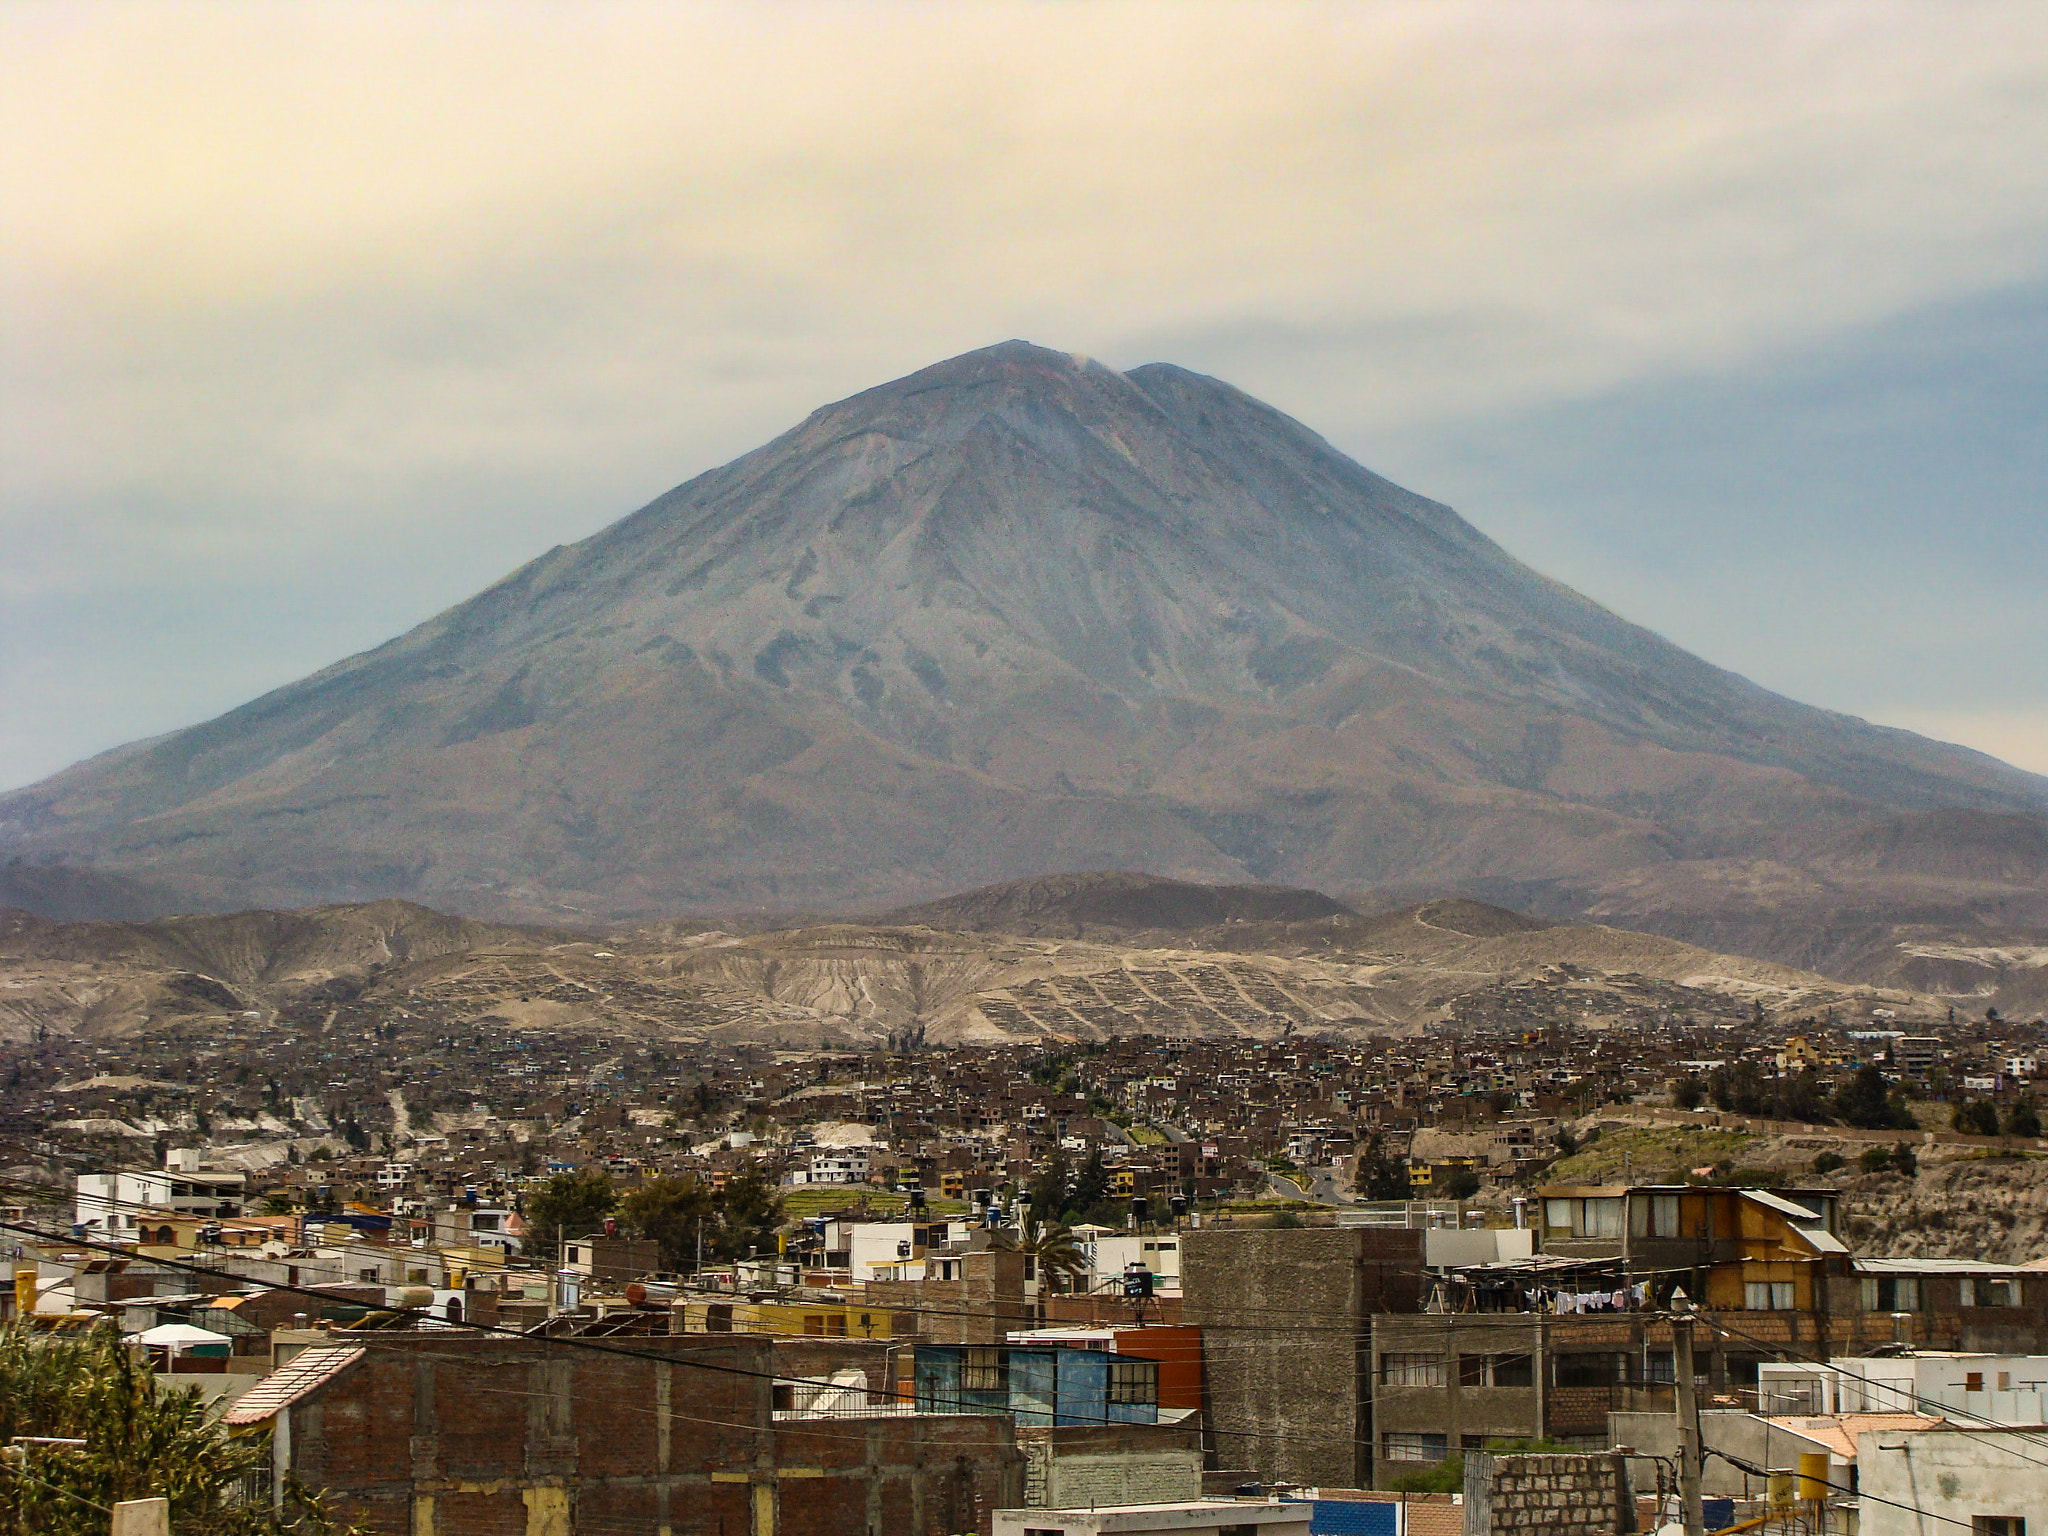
[444, 1434]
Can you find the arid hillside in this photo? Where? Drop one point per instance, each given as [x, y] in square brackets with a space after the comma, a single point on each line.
[1449, 962]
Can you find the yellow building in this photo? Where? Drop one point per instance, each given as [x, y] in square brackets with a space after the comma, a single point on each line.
[1749, 1249]
[828, 1317]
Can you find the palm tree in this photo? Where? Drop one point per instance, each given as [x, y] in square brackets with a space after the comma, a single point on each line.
[1051, 1243]
[143, 1438]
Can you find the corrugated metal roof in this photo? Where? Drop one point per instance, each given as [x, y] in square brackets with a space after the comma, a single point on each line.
[303, 1373]
[1934, 1267]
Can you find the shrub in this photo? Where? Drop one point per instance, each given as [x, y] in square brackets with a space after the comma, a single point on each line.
[1975, 1117]
[2024, 1119]
[1828, 1162]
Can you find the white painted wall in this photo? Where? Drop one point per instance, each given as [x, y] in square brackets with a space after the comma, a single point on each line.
[1949, 1479]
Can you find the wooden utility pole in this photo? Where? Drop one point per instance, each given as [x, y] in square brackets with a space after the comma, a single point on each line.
[1689, 1451]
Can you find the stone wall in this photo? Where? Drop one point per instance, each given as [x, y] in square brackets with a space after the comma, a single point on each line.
[1547, 1495]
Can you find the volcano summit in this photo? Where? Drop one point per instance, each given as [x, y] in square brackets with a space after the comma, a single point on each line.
[1019, 613]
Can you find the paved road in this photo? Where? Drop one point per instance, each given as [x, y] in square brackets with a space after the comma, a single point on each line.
[1319, 1187]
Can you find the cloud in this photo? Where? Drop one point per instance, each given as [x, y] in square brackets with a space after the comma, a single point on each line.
[289, 285]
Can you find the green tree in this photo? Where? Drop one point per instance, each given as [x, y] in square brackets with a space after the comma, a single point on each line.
[1689, 1092]
[568, 1205]
[143, 1440]
[1459, 1183]
[1975, 1117]
[1051, 1243]
[1091, 1185]
[1380, 1175]
[2024, 1118]
[1827, 1162]
[748, 1209]
[672, 1211]
[1866, 1103]
[1048, 1191]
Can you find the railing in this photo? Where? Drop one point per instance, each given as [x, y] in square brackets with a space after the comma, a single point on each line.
[838, 1408]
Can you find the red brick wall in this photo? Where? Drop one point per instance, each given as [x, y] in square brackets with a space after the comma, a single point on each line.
[483, 1425]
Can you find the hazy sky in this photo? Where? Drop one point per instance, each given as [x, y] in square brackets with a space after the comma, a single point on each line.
[318, 319]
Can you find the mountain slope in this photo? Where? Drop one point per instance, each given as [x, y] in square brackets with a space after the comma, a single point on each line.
[356, 971]
[1116, 902]
[1017, 613]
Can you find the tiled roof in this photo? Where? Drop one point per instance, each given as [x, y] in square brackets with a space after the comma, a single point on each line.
[300, 1375]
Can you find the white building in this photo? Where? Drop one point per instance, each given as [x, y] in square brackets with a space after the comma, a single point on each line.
[834, 1165]
[863, 1248]
[1110, 1253]
[112, 1204]
[1949, 1478]
[2007, 1389]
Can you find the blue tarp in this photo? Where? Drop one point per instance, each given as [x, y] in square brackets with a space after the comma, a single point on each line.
[1351, 1517]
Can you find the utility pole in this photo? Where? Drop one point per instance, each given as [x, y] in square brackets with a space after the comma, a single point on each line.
[1689, 1510]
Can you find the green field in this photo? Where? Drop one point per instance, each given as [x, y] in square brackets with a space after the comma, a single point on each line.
[1658, 1153]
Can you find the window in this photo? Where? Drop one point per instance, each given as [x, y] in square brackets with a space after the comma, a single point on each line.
[1412, 1370]
[1587, 1370]
[1891, 1293]
[1998, 1525]
[1600, 1217]
[1134, 1381]
[1558, 1214]
[1496, 1371]
[1653, 1216]
[1658, 1365]
[1989, 1293]
[1769, 1296]
[1973, 1381]
[983, 1370]
[1402, 1447]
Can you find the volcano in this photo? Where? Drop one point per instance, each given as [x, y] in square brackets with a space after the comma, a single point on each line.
[1020, 613]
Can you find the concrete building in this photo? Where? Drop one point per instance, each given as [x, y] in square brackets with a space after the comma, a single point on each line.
[1108, 1464]
[1443, 1385]
[834, 1165]
[2006, 1389]
[119, 1205]
[1945, 1477]
[1285, 1318]
[1773, 1444]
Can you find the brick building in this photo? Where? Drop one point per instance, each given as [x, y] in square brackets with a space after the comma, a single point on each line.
[1285, 1317]
[435, 1433]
